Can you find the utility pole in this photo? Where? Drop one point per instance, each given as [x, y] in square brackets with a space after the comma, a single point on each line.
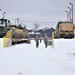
[3, 15]
[17, 21]
[72, 10]
[0, 9]
[67, 14]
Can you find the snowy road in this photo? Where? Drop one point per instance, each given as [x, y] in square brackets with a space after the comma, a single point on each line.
[29, 60]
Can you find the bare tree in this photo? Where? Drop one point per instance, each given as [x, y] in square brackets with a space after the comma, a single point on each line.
[20, 73]
[36, 26]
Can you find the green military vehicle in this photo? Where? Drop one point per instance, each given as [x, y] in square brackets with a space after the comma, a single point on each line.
[3, 27]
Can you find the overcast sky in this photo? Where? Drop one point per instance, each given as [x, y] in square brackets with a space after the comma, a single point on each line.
[36, 11]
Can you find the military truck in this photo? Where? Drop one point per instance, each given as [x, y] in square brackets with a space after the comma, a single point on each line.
[64, 30]
[19, 35]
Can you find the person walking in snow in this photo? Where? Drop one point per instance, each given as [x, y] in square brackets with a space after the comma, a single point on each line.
[37, 40]
[45, 39]
[40, 39]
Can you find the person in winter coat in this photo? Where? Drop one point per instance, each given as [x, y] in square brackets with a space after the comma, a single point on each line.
[40, 39]
[45, 39]
[37, 40]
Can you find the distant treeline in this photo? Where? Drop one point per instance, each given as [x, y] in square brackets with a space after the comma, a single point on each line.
[48, 31]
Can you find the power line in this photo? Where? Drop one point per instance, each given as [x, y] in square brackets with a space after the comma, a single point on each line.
[37, 21]
[11, 18]
[30, 21]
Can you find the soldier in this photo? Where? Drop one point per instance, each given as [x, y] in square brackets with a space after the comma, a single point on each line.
[37, 41]
[40, 39]
[45, 39]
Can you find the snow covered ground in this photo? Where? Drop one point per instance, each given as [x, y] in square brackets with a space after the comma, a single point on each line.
[29, 60]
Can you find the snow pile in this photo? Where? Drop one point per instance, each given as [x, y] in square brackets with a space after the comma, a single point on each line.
[64, 43]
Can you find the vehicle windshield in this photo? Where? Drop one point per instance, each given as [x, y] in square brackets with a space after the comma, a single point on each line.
[2, 22]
